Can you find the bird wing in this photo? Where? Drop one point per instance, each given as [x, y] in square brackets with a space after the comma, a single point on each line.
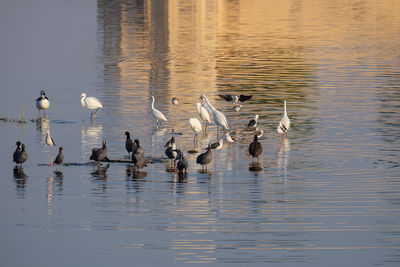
[243, 98]
[204, 114]
[159, 115]
[93, 102]
[226, 97]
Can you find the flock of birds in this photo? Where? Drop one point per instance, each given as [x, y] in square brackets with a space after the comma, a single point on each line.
[175, 155]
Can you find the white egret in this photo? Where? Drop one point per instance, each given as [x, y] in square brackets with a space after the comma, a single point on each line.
[42, 103]
[196, 126]
[92, 103]
[158, 115]
[284, 123]
[229, 138]
[203, 113]
[219, 117]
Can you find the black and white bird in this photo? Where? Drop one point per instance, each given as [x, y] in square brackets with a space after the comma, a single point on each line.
[284, 123]
[237, 108]
[20, 155]
[130, 146]
[50, 142]
[255, 148]
[174, 101]
[234, 98]
[253, 122]
[217, 145]
[42, 103]
[99, 154]
[182, 164]
[60, 157]
[205, 158]
[168, 151]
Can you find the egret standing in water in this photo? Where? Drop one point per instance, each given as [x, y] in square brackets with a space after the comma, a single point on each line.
[42, 103]
[92, 103]
[158, 115]
[284, 123]
[196, 126]
[219, 117]
[203, 113]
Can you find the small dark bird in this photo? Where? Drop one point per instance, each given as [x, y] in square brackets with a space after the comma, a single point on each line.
[174, 101]
[253, 122]
[182, 164]
[137, 156]
[20, 155]
[138, 149]
[60, 157]
[255, 148]
[98, 154]
[217, 145]
[237, 108]
[235, 98]
[130, 146]
[205, 158]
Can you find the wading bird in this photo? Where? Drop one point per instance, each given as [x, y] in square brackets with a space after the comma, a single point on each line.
[130, 146]
[255, 148]
[182, 164]
[284, 123]
[174, 101]
[203, 113]
[205, 158]
[158, 115]
[60, 157]
[50, 142]
[92, 103]
[20, 155]
[253, 122]
[42, 103]
[219, 117]
[196, 126]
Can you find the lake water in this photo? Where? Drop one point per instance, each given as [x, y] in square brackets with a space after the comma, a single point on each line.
[328, 195]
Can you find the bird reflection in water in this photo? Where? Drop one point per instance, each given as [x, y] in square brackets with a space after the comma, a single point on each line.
[283, 153]
[101, 172]
[20, 179]
[42, 125]
[255, 166]
[181, 177]
[90, 137]
[135, 173]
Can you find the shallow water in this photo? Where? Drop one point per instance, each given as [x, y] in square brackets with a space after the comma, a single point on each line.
[328, 195]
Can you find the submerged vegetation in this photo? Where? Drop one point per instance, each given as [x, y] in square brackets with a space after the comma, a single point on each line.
[20, 118]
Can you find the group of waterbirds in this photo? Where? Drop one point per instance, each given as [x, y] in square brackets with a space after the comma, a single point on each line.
[177, 156]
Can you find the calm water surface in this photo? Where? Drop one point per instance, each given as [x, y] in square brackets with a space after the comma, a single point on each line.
[328, 195]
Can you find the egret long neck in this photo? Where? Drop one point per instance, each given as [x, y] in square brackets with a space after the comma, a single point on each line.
[152, 103]
[83, 101]
[209, 104]
[284, 108]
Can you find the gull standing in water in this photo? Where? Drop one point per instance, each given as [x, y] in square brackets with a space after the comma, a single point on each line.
[158, 115]
[92, 103]
[50, 142]
[284, 123]
[219, 117]
[42, 103]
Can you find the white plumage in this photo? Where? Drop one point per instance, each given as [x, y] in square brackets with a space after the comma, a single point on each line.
[158, 115]
[42, 103]
[92, 103]
[219, 117]
[284, 123]
[195, 124]
[203, 113]
[50, 142]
